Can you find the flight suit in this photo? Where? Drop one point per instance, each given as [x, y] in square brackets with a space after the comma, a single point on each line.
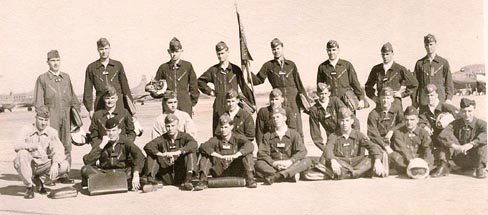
[289, 147]
[98, 77]
[286, 78]
[265, 124]
[437, 72]
[327, 118]
[473, 132]
[223, 80]
[381, 122]
[97, 126]
[182, 80]
[396, 77]
[427, 118]
[243, 125]
[350, 154]
[407, 145]
[122, 155]
[220, 167]
[171, 171]
[342, 78]
[56, 93]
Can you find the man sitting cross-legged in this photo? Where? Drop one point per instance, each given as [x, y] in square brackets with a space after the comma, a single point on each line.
[171, 155]
[282, 153]
[227, 154]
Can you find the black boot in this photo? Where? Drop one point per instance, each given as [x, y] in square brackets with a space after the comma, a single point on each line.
[29, 192]
[250, 182]
[40, 186]
[187, 185]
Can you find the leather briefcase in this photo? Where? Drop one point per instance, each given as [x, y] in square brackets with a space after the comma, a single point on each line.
[64, 192]
[106, 183]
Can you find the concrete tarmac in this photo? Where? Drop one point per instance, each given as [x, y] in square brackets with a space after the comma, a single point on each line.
[455, 194]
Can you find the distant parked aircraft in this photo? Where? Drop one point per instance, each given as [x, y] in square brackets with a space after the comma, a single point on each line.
[12, 100]
[470, 79]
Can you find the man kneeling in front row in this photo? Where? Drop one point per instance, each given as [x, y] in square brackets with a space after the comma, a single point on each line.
[40, 153]
[172, 156]
[227, 154]
[115, 153]
[344, 155]
[282, 153]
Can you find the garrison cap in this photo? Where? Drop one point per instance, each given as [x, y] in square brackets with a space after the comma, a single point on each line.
[411, 110]
[386, 91]
[42, 111]
[321, 87]
[345, 112]
[169, 95]
[52, 54]
[225, 119]
[230, 94]
[332, 44]
[111, 123]
[276, 42]
[221, 46]
[429, 38]
[170, 118]
[279, 110]
[175, 44]
[431, 88]
[465, 102]
[102, 42]
[109, 91]
[387, 47]
[276, 92]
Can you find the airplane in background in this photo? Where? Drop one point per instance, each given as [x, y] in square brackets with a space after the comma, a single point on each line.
[139, 93]
[470, 79]
[12, 100]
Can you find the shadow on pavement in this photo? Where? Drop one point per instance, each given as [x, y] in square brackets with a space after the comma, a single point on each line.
[9, 177]
[12, 190]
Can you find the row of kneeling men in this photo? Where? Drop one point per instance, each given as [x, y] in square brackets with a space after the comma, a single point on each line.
[175, 157]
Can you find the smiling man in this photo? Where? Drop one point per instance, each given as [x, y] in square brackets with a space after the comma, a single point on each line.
[100, 74]
[109, 111]
[468, 149]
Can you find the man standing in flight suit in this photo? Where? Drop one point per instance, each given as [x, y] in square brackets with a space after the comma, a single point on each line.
[180, 78]
[224, 76]
[432, 69]
[54, 90]
[99, 75]
[390, 74]
[340, 75]
[283, 74]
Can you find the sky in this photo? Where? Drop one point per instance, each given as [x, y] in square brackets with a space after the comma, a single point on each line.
[140, 32]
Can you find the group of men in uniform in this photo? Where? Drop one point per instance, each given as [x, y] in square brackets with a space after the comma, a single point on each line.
[395, 136]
